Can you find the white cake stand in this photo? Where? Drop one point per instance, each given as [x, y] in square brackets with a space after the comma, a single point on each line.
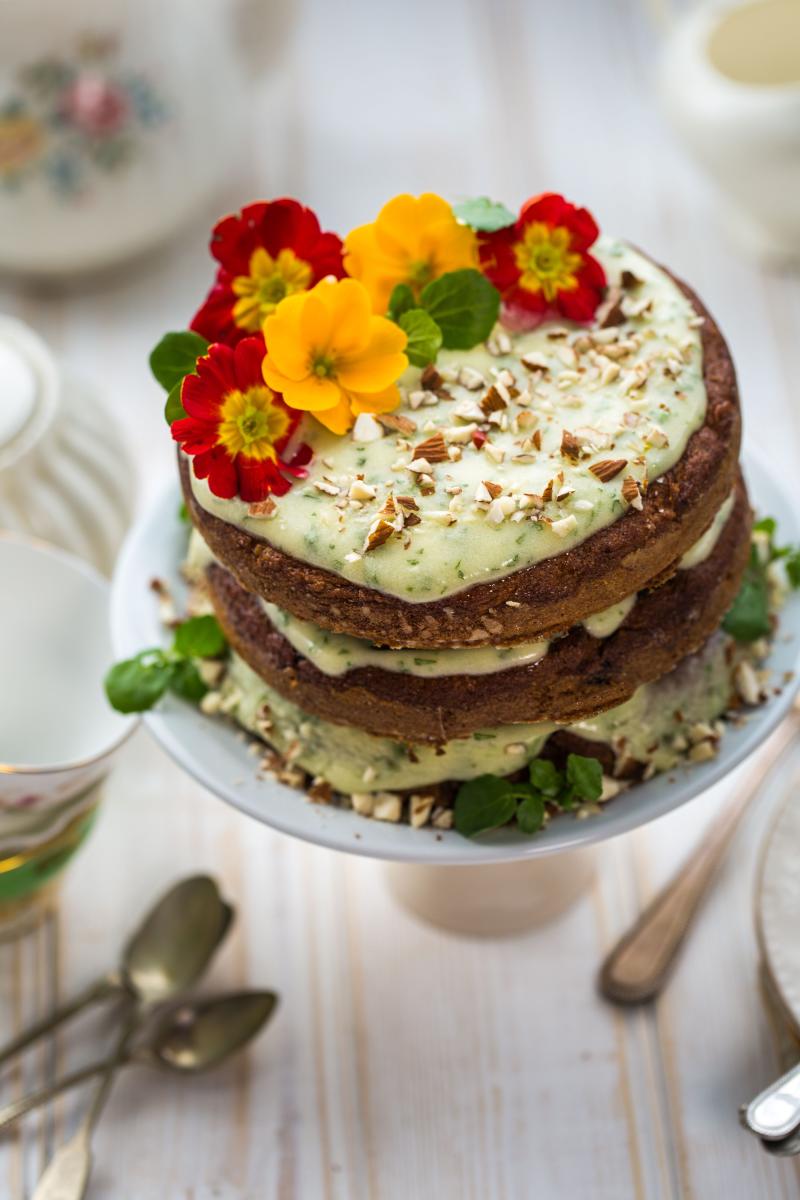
[500, 882]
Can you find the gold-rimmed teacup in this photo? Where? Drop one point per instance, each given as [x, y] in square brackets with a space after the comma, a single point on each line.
[58, 735]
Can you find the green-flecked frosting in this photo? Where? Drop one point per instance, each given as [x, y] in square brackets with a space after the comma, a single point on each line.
[633, 392]
[351, 760]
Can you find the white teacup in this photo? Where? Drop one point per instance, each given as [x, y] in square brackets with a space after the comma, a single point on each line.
[58, 734]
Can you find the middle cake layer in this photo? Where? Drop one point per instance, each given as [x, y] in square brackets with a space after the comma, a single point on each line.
[573, 676]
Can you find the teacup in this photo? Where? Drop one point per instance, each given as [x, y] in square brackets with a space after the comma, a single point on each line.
[58, 735]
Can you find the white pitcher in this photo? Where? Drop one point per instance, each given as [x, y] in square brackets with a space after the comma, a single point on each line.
[731, 83]
[64, 476]
[119, 120]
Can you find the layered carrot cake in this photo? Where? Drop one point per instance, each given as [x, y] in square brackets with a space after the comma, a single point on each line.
[466, 509]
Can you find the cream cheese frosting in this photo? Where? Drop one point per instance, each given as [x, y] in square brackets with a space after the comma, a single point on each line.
[559, 401]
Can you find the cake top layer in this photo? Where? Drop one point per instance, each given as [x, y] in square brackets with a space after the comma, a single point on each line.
[502, 455]
[444, 397]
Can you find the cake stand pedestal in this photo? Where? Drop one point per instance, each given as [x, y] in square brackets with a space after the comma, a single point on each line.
[493, 899]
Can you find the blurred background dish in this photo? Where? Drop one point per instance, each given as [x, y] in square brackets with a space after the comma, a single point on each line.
[58, 737]
[64, 474]
[731, 86]
[119, 121]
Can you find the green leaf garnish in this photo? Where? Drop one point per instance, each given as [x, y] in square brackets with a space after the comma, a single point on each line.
[424, 336]
[482, 804]
[176, 355]
[546, 777]
[173, 409]
[200, 637]
[137, 683]
[585, 777]
[464, 305]
[491, 801]
[186, 681]
[747, 619]
[484, 214]
[400, 301]
[530, 814]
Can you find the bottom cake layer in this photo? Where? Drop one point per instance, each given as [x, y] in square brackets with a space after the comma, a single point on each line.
[659, 725]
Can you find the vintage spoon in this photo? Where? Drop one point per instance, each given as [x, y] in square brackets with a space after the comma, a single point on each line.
[167, 954]
[638, 966]
[775, 1113]
[191, 1037]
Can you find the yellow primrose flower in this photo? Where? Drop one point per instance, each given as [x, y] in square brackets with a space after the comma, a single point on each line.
[328, 354]
[414, 240]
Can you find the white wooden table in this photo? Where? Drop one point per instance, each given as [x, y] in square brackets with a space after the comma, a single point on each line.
[405, 1063]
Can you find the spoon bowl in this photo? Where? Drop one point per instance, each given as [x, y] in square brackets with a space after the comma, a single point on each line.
[173, 946]
[198, 1037]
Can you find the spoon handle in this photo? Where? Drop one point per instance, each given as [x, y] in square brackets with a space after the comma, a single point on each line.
[66, 1176]
[775, 1112]
[12, 1112]
[102, 989]
[637, 967]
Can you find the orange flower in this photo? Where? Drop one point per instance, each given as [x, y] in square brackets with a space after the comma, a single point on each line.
[328, 354]
[414, 240]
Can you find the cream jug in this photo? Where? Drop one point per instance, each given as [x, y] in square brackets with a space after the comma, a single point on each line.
[730, 80]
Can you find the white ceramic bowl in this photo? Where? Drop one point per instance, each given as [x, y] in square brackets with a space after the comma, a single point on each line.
[212, 749]
[58, 733]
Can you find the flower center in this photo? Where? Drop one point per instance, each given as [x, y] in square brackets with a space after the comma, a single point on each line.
[251, 423]
[270, 280]
[546, 261]
[420, 273]
[323, 366]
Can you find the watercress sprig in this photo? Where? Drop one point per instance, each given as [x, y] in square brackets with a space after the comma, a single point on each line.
[490, 801]
[137, 683]
[748, 618]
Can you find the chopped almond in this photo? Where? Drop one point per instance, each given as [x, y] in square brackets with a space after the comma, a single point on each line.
[433, 449]
[631, 492]
[608, 468]
[395, 422]
[570, 445]
[492, 401]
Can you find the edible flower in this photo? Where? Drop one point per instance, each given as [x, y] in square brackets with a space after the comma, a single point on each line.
[237, 428]
[266, 252]
[414, 240]
[328, 354]
[541, 264]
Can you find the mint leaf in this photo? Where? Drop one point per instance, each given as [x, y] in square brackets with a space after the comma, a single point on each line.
[200, 637]
[585, 777]
[482, 804]
[530, 814]
[137, 683]
[748, 617]
[424, 336]
[464, 305]
[176, 355]
[400, 301]
[484, 214]
[183, 513]
[173, 409]
[187, 682]
[546, 777]
[793, 568]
